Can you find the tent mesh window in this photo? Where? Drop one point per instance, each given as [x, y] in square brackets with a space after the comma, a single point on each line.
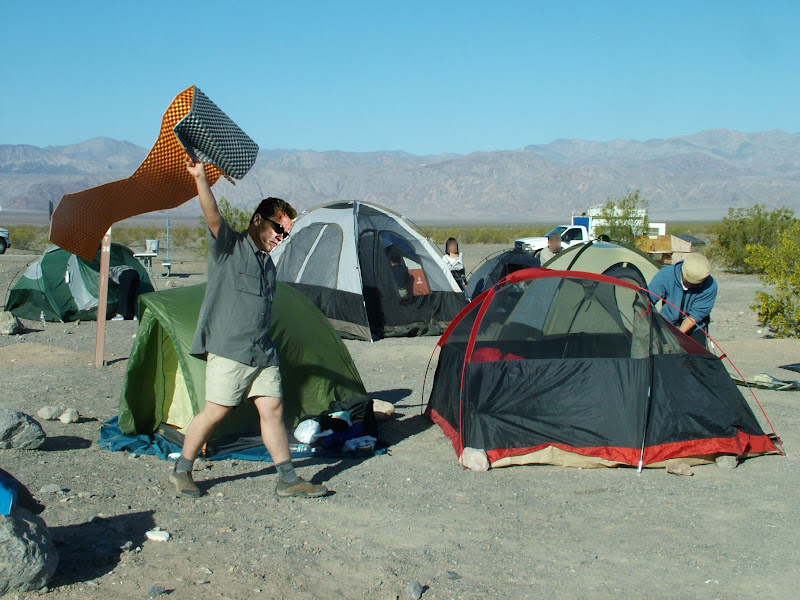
[392, 229]
[570, 318]
[405, 264]
[309, 257]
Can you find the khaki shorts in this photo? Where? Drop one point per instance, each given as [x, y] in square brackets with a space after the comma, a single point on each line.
[229, 382]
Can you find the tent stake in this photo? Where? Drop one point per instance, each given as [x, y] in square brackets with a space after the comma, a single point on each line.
[102, 298]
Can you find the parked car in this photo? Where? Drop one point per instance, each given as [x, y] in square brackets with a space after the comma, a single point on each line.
[5, 240]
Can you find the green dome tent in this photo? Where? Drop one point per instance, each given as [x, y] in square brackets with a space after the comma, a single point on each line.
[165, 385]
[64, 287]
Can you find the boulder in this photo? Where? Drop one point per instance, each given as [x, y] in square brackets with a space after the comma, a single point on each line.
[9, 324]
[50, 413]
[727, 461]
[413, 590]
[18, 430]
[28, 557]
[475, 459]
[383, 410]
[70, 416]
[676, 467]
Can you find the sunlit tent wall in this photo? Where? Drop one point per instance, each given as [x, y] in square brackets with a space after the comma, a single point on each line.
[165, 385]
[369, 271]
[497, 266]
[64, 287]
[607, 258]
[578, 369]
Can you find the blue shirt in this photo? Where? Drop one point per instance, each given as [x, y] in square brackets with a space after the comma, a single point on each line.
[696, 302]
[237, 309]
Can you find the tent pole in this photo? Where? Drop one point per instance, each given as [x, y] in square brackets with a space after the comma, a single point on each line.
[102, 299]
[649, 404]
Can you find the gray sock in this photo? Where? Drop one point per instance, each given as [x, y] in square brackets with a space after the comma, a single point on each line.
[286, 471]
[183, 465]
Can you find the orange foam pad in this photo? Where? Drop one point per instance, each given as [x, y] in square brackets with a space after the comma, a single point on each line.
[81, 220]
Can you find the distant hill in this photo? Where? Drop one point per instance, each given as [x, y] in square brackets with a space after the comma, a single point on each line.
[698, 175]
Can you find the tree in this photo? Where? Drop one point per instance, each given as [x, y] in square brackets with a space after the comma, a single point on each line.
[623, 219]
[755, 226]
[779, 266]
[237, 218]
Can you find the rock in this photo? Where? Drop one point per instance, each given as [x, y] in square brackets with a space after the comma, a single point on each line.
[675, 467]
[727, 461]
[452, 575]
[18, 430]
[9, 324]
[51, 488]
[199, 464]
[50, 413]
[206, 570]
[70, 416]
[27, 553]
[155, 590]
[383, 410]
[474, 459]
[412, 590]
[157, 535]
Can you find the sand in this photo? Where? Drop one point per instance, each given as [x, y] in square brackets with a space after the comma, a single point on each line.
[410, 515]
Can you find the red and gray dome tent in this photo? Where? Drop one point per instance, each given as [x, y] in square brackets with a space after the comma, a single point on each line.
[579, 369]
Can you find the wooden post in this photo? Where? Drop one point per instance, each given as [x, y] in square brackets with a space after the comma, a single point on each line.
[102, 299]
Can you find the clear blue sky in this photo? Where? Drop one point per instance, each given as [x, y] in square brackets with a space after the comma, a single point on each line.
[424, 77]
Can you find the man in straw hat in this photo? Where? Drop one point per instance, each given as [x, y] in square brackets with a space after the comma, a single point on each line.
[690, 292]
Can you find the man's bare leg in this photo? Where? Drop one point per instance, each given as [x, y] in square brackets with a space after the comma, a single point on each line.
[201, 428]
[197, 434]
[273, 432]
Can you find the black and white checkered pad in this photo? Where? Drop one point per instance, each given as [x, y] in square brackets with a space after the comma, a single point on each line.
[209, 134]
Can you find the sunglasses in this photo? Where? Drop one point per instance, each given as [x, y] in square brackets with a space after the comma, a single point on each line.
[277, 227]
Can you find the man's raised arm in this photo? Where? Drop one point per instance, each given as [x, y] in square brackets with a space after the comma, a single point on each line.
[207, 201]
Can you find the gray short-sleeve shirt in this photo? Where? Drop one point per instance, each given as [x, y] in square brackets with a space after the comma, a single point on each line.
[237, 309]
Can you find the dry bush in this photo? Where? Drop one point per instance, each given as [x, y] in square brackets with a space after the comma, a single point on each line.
[34, 238]
[483, 234]
[779, 266]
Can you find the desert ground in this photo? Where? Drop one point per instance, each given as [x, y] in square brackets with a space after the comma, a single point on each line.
[412, 514]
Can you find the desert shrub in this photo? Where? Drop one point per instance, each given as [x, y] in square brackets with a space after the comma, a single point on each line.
[483, 234]
[621, 219]
[135, 236]
[183, 236]
[237, 218]
[699, 229]
[755, 226]
[29, 237]
[779, 266]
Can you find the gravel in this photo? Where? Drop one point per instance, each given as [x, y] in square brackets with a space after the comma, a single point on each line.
[410, 515]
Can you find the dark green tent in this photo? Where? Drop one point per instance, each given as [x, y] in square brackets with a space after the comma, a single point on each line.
[64, 287]
[165, 385]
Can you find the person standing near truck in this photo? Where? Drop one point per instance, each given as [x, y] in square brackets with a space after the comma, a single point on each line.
[553, 248]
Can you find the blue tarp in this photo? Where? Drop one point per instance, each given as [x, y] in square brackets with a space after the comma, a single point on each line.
[8, 494]
[112, 438]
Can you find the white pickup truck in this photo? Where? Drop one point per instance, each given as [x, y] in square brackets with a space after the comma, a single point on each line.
[571, 235]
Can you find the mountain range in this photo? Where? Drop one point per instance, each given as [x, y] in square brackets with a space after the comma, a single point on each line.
[695, 176]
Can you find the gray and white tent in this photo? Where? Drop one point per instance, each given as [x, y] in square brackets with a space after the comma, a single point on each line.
[369, 271]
